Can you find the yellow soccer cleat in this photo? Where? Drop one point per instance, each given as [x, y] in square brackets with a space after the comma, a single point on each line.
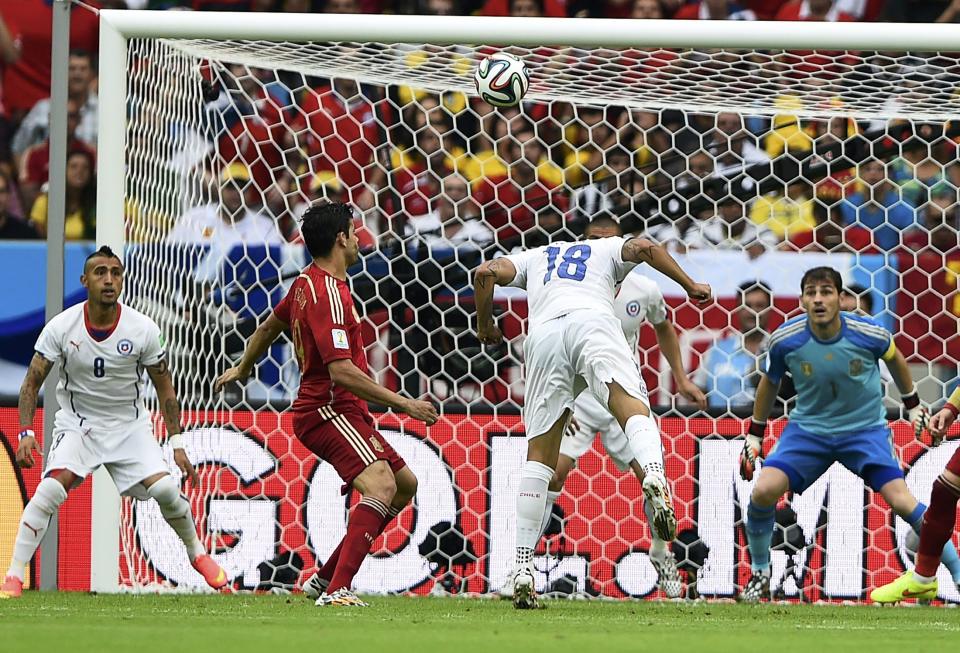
[903, 589]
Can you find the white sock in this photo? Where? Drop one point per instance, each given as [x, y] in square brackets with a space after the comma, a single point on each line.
[658, 548]
[644, 438]
[33, 524]
[176, 511]
[548, 512]
[531, 501]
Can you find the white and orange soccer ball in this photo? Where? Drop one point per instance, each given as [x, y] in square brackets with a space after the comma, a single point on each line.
[502, 79]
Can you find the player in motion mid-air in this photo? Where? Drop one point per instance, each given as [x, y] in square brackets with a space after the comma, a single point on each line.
[331, 417]
[103, 348]
[938, 522]
[839, 417]
[575, 342]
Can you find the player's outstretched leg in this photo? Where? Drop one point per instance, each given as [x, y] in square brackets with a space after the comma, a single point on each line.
[33, 524]
[176, 512]
[318, 583]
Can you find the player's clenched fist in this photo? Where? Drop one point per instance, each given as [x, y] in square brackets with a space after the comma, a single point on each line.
[700, 293]
[490, 334]
[752, 450]
[25, 450]
[918, 416]
[421, 410]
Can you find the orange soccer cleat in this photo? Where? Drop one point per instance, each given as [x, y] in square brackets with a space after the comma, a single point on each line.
[12, 588]
[213, 573]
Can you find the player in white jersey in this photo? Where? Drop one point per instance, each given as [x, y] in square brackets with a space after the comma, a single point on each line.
[103, 349]
[575, 342]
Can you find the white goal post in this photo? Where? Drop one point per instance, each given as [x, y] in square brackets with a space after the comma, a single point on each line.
[299, 43]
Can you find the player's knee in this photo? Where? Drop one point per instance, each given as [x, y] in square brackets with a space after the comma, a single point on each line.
[49, 496]
[167, 495]
[559, 478]
[766, 492]
[380, 483]
[406, 486]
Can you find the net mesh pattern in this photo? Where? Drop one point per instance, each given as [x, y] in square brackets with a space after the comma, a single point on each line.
[748, 166]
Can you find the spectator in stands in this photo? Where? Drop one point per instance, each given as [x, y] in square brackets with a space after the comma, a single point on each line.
[714, 10]
[30, 22]
[879, 207]
[856, 298]
[830, 233]
[786, 215]
[646, 10]
[9, 54]
[618, 184]
[939, 223]
[729, 228]
[455, 220]
[80, 92]
[813, 10]
[12, 227]
[35, 163]
[223, 225]
[729, 370]
[81, 200]
[677, 234]
[734, 149]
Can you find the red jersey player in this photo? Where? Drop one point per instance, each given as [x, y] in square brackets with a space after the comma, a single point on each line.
[331, 417]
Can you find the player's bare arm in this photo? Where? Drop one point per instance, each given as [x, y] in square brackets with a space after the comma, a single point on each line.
[498, 272]
[762, 407]
[170, 409]
[916, 413]
[265, 335]
[670, 349]
[29, 392]
[641, 250]
[347, 375]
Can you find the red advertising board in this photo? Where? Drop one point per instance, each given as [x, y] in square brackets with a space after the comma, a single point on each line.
[263, 494]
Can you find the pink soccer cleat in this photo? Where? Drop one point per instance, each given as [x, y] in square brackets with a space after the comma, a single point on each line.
[12, 588]
[213, 573]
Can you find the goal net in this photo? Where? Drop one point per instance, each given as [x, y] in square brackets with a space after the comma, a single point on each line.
[752, 165]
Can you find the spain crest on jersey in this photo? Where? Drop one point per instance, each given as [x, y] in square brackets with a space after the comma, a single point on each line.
[806, 368]
[856, 367]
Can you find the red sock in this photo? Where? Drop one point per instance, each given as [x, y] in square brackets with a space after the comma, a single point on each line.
[326, 571]
[365, 524]
[938, 523]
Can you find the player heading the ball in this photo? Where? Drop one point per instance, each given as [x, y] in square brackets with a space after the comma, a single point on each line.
[575, 342]
[103, 347]
[330, 414]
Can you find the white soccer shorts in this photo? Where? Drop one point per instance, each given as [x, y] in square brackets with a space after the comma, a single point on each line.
[592, 418]
[130, 455]
[565, 355]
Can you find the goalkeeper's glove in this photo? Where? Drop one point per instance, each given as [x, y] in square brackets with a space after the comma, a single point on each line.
[917, 415]
[752, 449]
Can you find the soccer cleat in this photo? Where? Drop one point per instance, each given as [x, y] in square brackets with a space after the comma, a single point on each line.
[656, 491]
[758, 587]
[506, 590]
[524, 591]
[668, 578]
[12, 588]
[342, 598]
[213, 573]
[905, 588]
[315, 586]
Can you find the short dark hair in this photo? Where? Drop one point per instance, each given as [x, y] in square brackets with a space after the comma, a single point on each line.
[604, 220]
[822, 273]
[750, 286]
[321, 224]
[104, 252]
[861, 292]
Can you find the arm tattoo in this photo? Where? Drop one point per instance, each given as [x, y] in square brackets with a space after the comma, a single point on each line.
[27, 405]
[171, 415]
[641, 249]
[160, 369]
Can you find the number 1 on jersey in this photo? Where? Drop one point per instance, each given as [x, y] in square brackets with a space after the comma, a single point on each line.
[573, 265]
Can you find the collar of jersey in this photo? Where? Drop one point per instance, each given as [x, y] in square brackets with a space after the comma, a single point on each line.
[836, 338]
[92, 331]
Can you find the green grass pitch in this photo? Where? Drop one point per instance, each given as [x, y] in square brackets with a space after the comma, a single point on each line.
[79, 623]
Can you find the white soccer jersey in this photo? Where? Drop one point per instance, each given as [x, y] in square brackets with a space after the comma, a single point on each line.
[101, 381]
[563, 277]
[637, 299]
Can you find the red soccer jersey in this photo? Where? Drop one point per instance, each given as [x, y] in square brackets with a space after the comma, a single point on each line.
[325, 327]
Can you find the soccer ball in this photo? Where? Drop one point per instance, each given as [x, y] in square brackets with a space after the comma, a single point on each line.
[502, 80]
